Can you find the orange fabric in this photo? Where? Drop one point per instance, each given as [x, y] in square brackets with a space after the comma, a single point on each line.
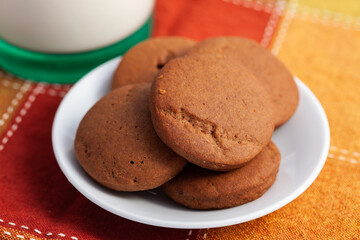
[318, 40]
[12, 93]
[329, 209]
[322, 48]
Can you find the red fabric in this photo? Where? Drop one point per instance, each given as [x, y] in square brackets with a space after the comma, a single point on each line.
[199, 19]
[35, 193]
[33, 190]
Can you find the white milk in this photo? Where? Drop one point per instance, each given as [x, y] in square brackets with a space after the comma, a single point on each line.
[67, 26]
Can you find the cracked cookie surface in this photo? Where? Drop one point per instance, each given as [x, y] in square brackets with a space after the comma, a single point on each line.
[118, 147]
[211, 111]
[143, 61]
[269, 70]
[200, 188]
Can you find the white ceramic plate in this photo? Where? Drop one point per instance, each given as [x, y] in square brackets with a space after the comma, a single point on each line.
[303, 142]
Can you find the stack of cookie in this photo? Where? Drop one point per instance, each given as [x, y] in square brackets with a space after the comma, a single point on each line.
[212, 106]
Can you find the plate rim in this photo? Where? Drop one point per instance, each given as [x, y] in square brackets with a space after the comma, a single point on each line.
[209, 223]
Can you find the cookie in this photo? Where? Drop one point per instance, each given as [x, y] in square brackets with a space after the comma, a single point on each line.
[200, 188]
[143, 61]
[211, 111]
[117, 146]
[272, 73]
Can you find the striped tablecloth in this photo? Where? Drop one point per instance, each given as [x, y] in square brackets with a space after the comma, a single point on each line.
[318, 40]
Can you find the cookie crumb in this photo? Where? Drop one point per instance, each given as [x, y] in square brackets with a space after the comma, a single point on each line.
[161, 76]
[162, 91]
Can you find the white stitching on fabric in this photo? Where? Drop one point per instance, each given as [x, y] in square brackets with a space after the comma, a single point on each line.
[284, 26]
[272, 23]
[52, 92]
[23, 89]
[10, 109]
[54, 89]
[9, 133]
[5, 140]
[35, 230]
[344, 151]
[328, 18]
[5, 116]
[341, 157]
[39, 89]
[18, 119]
[14, 85]
[353, 161]
[252, 4]
[315, 15]
[189, 234]
[333, 148]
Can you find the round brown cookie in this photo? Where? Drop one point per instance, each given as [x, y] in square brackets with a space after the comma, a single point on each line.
[118, 147]
[272, 73]
[211, 111]
[200, 188]
[143, 61]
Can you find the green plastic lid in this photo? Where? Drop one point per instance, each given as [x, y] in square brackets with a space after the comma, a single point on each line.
[64, 68]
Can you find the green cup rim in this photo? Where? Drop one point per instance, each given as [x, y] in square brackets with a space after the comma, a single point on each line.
[68, 67]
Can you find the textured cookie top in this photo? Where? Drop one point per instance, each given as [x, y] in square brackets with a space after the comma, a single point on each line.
[272, 73]
[211, 111]
[143, 61]
[200, 188]
[117, 145]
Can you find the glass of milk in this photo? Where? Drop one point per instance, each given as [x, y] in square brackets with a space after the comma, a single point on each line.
[61, 40]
